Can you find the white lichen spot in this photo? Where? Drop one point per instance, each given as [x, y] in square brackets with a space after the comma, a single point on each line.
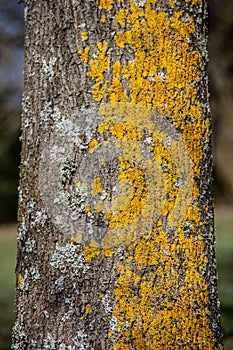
[35, 275]
[49, 342]
[19, 335]
[20, 194]
[82, 195]
[179, 182]
[46, 112]
[63, 346]
[81, 341]
[22, 230]
[113, 326]
[149, 141]
[31, 205]
[29, 245]
[161, 74]
[41, 217]
[103, 195]
[71, 309]
[68, 260]
[56, 115]
[46, 313]
[59, 284]
[152, 77]
[107, 303]
[49, 112]
[48, 67]
[168, 142]
[34, 343]
[82, 25]
[140, 3]
[57, 168]
[185, 17]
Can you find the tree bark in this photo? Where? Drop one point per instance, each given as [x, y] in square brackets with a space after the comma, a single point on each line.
[116, 232]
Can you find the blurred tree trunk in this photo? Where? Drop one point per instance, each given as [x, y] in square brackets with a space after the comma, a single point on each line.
[221, 78]
[115, 240]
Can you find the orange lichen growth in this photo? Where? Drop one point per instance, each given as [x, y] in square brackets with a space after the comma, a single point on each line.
[84, 35]
[124, 131]
[158, 71]
[91, 251]
[96, 186]
[121, 16]
[20, 281]
[84, 54]
[92, 145]
[176, 324]
[166, 306]
[105, 4]
[88, 208]
[88, 310]
[107, 252]
[76, 239]
[98, 67]
[172, 3]
[103, 19]
[128, 213]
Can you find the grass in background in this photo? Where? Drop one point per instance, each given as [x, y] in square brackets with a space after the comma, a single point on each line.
[7, 283]
[224, 251]
[224, 232]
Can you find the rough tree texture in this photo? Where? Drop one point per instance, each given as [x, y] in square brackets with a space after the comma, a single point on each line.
[116, 241]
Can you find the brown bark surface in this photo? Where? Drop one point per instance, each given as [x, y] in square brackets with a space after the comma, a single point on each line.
[115, 239]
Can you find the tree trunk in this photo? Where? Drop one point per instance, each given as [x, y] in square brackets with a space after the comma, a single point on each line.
[116, 232]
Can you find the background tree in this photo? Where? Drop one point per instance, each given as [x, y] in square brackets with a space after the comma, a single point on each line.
[221, 79]
[11, 66]
[116, 242]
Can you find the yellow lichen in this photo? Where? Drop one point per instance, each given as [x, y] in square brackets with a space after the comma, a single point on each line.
[88, 208]
[76, 239]
[81, 184]
[121, 16]
[20, 281]
[139, 189]
[98, 67]
[105, 4]
[172, 3]
[102, 45]
[157, 306]
[96, 186]
[103, 19]
[103, 127]
[107, 252]
[84, 54]
[92, 146]
[84, 35]
[91, 251]
[88, 309]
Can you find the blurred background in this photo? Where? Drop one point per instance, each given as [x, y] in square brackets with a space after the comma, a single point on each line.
[221, 89]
